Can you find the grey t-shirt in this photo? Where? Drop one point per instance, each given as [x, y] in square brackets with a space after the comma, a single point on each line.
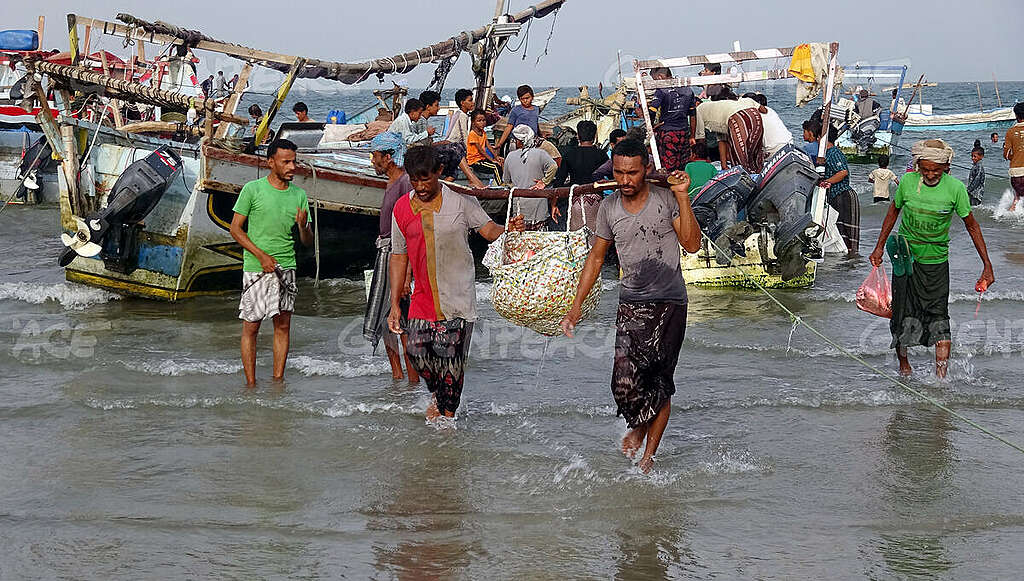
[647, 246]
[523, 174]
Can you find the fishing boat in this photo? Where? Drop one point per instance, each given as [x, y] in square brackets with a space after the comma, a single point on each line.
[770, 232]
[923, 118]
[864, 139]
[174, 242]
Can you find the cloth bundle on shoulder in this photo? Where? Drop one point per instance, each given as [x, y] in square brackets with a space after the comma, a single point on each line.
[536, 275]
[875, 294]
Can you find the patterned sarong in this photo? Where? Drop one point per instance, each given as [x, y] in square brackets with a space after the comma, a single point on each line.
[438, 351]
[746, 138]
[847, 203]
[674, 148]
[267, 294]
[647, 341]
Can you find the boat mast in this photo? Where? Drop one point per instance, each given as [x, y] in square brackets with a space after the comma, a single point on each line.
[491, 47]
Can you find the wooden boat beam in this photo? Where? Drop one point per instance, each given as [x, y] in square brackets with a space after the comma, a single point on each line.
[121, 89]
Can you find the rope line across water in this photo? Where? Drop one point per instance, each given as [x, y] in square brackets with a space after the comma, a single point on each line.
[799, 321]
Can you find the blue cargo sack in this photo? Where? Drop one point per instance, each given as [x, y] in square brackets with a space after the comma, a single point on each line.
[19, 40]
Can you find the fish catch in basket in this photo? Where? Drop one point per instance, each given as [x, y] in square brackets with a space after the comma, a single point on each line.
[536, 275]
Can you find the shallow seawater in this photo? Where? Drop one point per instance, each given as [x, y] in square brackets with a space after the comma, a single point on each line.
[130, 448]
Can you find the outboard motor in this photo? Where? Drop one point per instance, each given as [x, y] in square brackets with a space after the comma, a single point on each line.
[717, 207]
[863, 133]
[784, 204]
[113, 232]
[37, 158]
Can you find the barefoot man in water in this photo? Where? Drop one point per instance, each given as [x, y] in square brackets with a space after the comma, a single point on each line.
[928, 197]
[272, 206]
[430, 230]
[647, 224]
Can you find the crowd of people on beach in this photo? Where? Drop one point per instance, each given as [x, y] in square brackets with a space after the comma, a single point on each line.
[422, 301]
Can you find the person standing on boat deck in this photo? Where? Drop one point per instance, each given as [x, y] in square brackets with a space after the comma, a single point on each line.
[927, 197]
[976, 179]
[647, 224]
[880, 178]
[675, 116]
[1013, 150]
[207, 87]
[272, 207]
[387, 157]
[222, 85]
[897, 105]
[522, 114]
[233, 82]
[530, 167]
[810, 146]
[840, 195]
[604, 172]
[405, 126]
[429, 232]
[710, 91]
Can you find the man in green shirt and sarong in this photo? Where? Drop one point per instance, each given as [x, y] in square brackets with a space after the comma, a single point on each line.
[927, 197]
[267, 212]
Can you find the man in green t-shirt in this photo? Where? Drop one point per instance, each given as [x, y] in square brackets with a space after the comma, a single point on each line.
[272, 207]
[928, 198]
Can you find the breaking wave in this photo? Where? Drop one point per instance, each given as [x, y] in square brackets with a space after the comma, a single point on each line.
[69, 295]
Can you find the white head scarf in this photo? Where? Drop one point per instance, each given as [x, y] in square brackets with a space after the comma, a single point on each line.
[933, 150]
[525, 135]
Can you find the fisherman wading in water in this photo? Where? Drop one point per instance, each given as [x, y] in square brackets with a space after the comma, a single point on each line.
[647, 225]
[272, 206]
[430, 231]
[928, 198]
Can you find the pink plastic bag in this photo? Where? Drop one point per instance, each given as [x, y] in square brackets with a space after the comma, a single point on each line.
[875, 294]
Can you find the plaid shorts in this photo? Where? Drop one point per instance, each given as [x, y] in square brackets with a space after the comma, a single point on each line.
[267, 294]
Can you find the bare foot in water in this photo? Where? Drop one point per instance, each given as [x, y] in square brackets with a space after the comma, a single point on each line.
[632, 441]
[645, 464]
[432, 413]
[906, 370]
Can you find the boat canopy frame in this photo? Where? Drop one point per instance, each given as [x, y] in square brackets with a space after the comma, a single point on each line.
[642, 68]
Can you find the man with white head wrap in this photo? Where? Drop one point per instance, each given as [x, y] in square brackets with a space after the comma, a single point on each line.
[928, 197]
[530, 167]
[388, 159]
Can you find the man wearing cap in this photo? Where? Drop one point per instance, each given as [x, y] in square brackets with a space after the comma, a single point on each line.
[388, 158]
[928, 197]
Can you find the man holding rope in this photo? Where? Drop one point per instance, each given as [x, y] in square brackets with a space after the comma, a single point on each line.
[928, 197]
[272, 206]
[647, 224]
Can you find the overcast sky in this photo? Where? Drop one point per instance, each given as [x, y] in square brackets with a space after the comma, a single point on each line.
[948, 40]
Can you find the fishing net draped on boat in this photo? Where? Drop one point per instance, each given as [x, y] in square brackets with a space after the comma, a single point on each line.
[536, 275]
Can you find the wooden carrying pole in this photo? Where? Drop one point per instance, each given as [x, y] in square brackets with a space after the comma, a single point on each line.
[996, 84]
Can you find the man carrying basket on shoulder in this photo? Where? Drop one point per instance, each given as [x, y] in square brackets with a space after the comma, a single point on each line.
[647, 224]
[429, 232]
